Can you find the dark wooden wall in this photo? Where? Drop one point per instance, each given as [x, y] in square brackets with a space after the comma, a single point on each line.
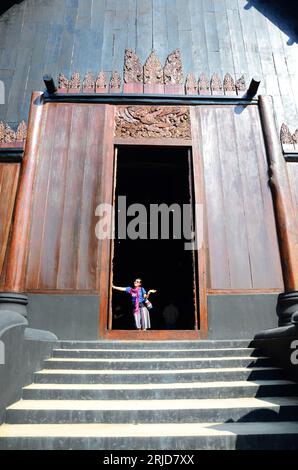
[64, 253]
[9, 175]
[293, 179]
[234, 36]
[243, 247]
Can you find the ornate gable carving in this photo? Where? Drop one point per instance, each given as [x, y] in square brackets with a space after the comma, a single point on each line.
[173, 70]
[216, 84]
[240, 84]
[285, 135]
[75, 81]
[89, 82]
[62, 81]
[153, 72]
[21, 133]
[204, 84]
[153, 122]
[115, 82]
[133, 70]
[191, 84]
[101, 81]
[228, 83]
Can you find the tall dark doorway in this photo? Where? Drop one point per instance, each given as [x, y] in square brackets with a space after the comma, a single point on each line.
[155, 175]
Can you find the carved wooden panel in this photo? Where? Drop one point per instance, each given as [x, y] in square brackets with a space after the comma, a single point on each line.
[153, 122]
[288, 140]
[9, 136]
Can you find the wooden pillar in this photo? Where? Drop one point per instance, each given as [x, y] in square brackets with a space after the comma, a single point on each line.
[17, 255]
[287, 225]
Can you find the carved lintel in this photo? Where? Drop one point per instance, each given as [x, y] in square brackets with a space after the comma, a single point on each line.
[133, 70]
[229, 85]
[101, 83]
[153, 122]
[191, 85]
[88, 83]
[204, 85]
[2, 131]
[153, 71]
[74, 85]
[216, 85]
[285, 135]
[7, 134]
[63, 83]
[115, 82]
[240, 85]
[21, 133]
[173, 69]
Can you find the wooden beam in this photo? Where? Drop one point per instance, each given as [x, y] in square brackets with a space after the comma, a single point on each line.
[17, 256]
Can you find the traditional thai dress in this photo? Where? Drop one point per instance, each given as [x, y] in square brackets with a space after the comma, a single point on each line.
[140, 311]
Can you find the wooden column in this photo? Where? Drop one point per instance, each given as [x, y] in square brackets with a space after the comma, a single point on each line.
[287, 225]
[17, 256]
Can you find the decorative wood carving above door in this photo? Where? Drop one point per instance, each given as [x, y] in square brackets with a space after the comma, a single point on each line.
[153, 122]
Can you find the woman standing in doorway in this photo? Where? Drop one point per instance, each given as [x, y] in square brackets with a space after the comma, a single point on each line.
[139, 299]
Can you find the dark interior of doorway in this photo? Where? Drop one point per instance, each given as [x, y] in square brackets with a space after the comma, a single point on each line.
[153, 175]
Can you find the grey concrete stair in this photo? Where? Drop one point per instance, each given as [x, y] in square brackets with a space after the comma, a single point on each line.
[155, 395]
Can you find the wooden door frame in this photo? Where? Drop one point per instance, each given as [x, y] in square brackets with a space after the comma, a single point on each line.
[107, 251]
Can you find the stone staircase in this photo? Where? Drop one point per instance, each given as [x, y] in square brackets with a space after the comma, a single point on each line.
[169, 395]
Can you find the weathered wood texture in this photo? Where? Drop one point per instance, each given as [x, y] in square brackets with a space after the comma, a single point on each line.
[243, 248]
[9, 176]
[63, 251]
[81, 35]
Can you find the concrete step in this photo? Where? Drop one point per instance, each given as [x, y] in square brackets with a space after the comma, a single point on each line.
[153, 364]
[154, 353]
[158, 436]
[160, 391]
[152, 411]
[81, 376]
[184, 344]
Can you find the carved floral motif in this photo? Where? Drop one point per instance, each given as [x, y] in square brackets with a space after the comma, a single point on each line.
[89, 82]
[240, 84]
[8, 135]
[115, 82]
[173, 70]
[75, 81]
[62, 81]
[101, 81]
[133, 70]
[228, 83]
[295, 136]
[191, 84]
[153, 71]
[153, 122]
[285, 135]
[203, 83]
[216, 84]
[21, 133]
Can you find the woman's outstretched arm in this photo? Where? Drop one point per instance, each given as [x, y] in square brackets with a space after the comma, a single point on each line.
[123, 289]
[151, 291]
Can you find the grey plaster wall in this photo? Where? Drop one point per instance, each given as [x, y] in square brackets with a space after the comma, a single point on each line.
[67, 316]
[241, 316]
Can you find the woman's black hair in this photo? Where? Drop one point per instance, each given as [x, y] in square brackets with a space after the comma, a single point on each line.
[140, 279]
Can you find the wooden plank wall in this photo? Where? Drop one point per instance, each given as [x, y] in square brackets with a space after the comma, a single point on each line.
[63, 251]
[293, 178]
[9, 177]
[235, 36]
[243, 247]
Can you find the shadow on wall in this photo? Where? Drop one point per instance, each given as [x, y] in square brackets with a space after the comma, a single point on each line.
[283, 13]
[5, 5]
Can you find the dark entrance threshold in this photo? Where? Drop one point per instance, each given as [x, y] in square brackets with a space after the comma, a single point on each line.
[154, 175]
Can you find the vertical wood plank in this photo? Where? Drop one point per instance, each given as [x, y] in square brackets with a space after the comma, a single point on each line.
[9, 177]
[68, 241]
